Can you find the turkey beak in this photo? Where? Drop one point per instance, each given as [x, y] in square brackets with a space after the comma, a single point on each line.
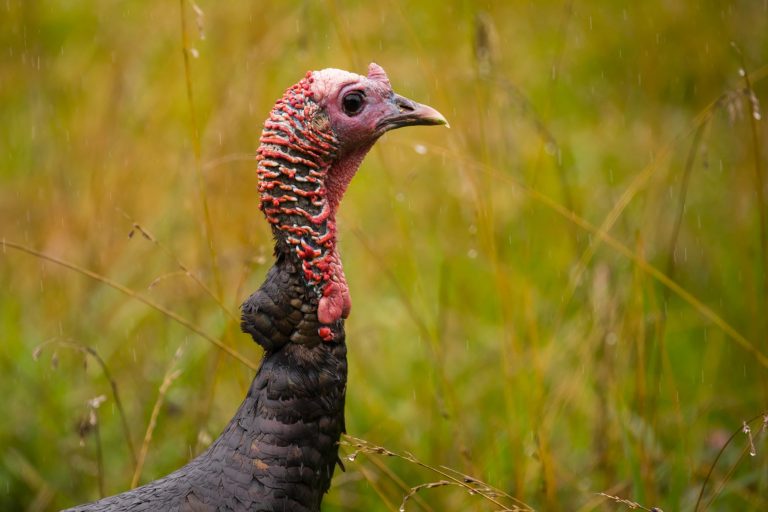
[406, 112]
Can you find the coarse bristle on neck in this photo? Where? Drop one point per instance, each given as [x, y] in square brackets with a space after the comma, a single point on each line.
[296, 154]
[313, 142]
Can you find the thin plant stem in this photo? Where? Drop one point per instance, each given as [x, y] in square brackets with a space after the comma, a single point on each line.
[171, 374]
[197, 148]
[753, 114]
[90, 351]
[661, 354]
[683, 194]
[621, 248]
[642, 178]
[127, 291]
[376, 486]
[446, 398]
[720, 453]
[412, 492]
[182, 267]
[470, 484]
[398, 481]
[629, 503]
[99, 455]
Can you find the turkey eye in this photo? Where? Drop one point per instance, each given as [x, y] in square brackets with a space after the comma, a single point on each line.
[353, 103]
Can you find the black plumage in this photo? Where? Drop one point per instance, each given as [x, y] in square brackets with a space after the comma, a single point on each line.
[279, 451]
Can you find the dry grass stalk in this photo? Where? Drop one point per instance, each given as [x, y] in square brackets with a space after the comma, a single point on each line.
[171, 374]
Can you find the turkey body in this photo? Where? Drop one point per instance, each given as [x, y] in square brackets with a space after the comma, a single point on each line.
[279, 450]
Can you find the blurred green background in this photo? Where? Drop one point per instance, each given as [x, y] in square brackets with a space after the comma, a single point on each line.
[510, 314]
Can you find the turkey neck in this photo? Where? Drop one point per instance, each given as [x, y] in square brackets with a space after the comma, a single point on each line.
[293, 416]
[303, 172]
[294, 413]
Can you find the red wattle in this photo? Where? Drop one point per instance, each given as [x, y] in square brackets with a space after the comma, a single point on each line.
[325, 333]
[331, 305]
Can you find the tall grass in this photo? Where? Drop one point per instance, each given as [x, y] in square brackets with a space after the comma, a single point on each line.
[560, 303]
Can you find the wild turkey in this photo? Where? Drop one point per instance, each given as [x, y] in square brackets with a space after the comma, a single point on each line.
[279, 451]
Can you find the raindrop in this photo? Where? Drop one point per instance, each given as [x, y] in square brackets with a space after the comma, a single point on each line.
[472, 254]
[748, 432]
[756, 115]
[351, 457]
[742, 72]
[420, 149]
[195, 54]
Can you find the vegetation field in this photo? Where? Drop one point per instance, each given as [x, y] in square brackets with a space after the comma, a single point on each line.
[561, 303]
